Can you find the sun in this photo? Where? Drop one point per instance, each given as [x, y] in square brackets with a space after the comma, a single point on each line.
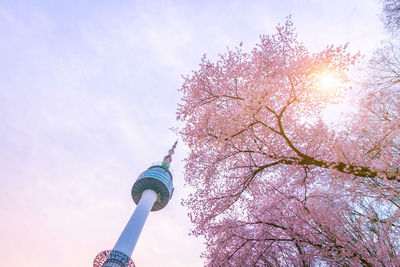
[328, 81]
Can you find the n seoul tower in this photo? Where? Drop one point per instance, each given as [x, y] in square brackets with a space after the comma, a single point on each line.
[151, 191]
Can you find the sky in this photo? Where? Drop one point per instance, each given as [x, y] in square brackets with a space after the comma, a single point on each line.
[88, 96]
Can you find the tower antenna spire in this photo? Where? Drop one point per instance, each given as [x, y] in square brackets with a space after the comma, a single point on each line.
[168, 158]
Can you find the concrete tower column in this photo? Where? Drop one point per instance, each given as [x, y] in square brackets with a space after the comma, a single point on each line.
[130, 235]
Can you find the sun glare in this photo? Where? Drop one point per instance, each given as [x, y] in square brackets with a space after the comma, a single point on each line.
[328, 81]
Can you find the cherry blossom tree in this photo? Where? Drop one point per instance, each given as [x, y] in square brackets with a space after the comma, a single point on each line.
[274, 185]
[391, 12]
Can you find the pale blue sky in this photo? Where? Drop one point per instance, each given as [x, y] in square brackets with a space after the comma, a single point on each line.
[88, 91]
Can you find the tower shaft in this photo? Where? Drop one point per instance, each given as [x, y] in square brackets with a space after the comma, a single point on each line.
[130, 235]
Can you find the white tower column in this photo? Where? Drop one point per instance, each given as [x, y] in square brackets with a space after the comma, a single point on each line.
[130, 235]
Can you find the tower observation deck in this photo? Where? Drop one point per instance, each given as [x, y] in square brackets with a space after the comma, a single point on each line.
[151, 192]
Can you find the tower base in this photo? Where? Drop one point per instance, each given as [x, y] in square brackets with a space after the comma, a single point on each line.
[112, 258]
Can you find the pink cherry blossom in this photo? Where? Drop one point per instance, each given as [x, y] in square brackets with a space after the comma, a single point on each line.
[275, 186]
